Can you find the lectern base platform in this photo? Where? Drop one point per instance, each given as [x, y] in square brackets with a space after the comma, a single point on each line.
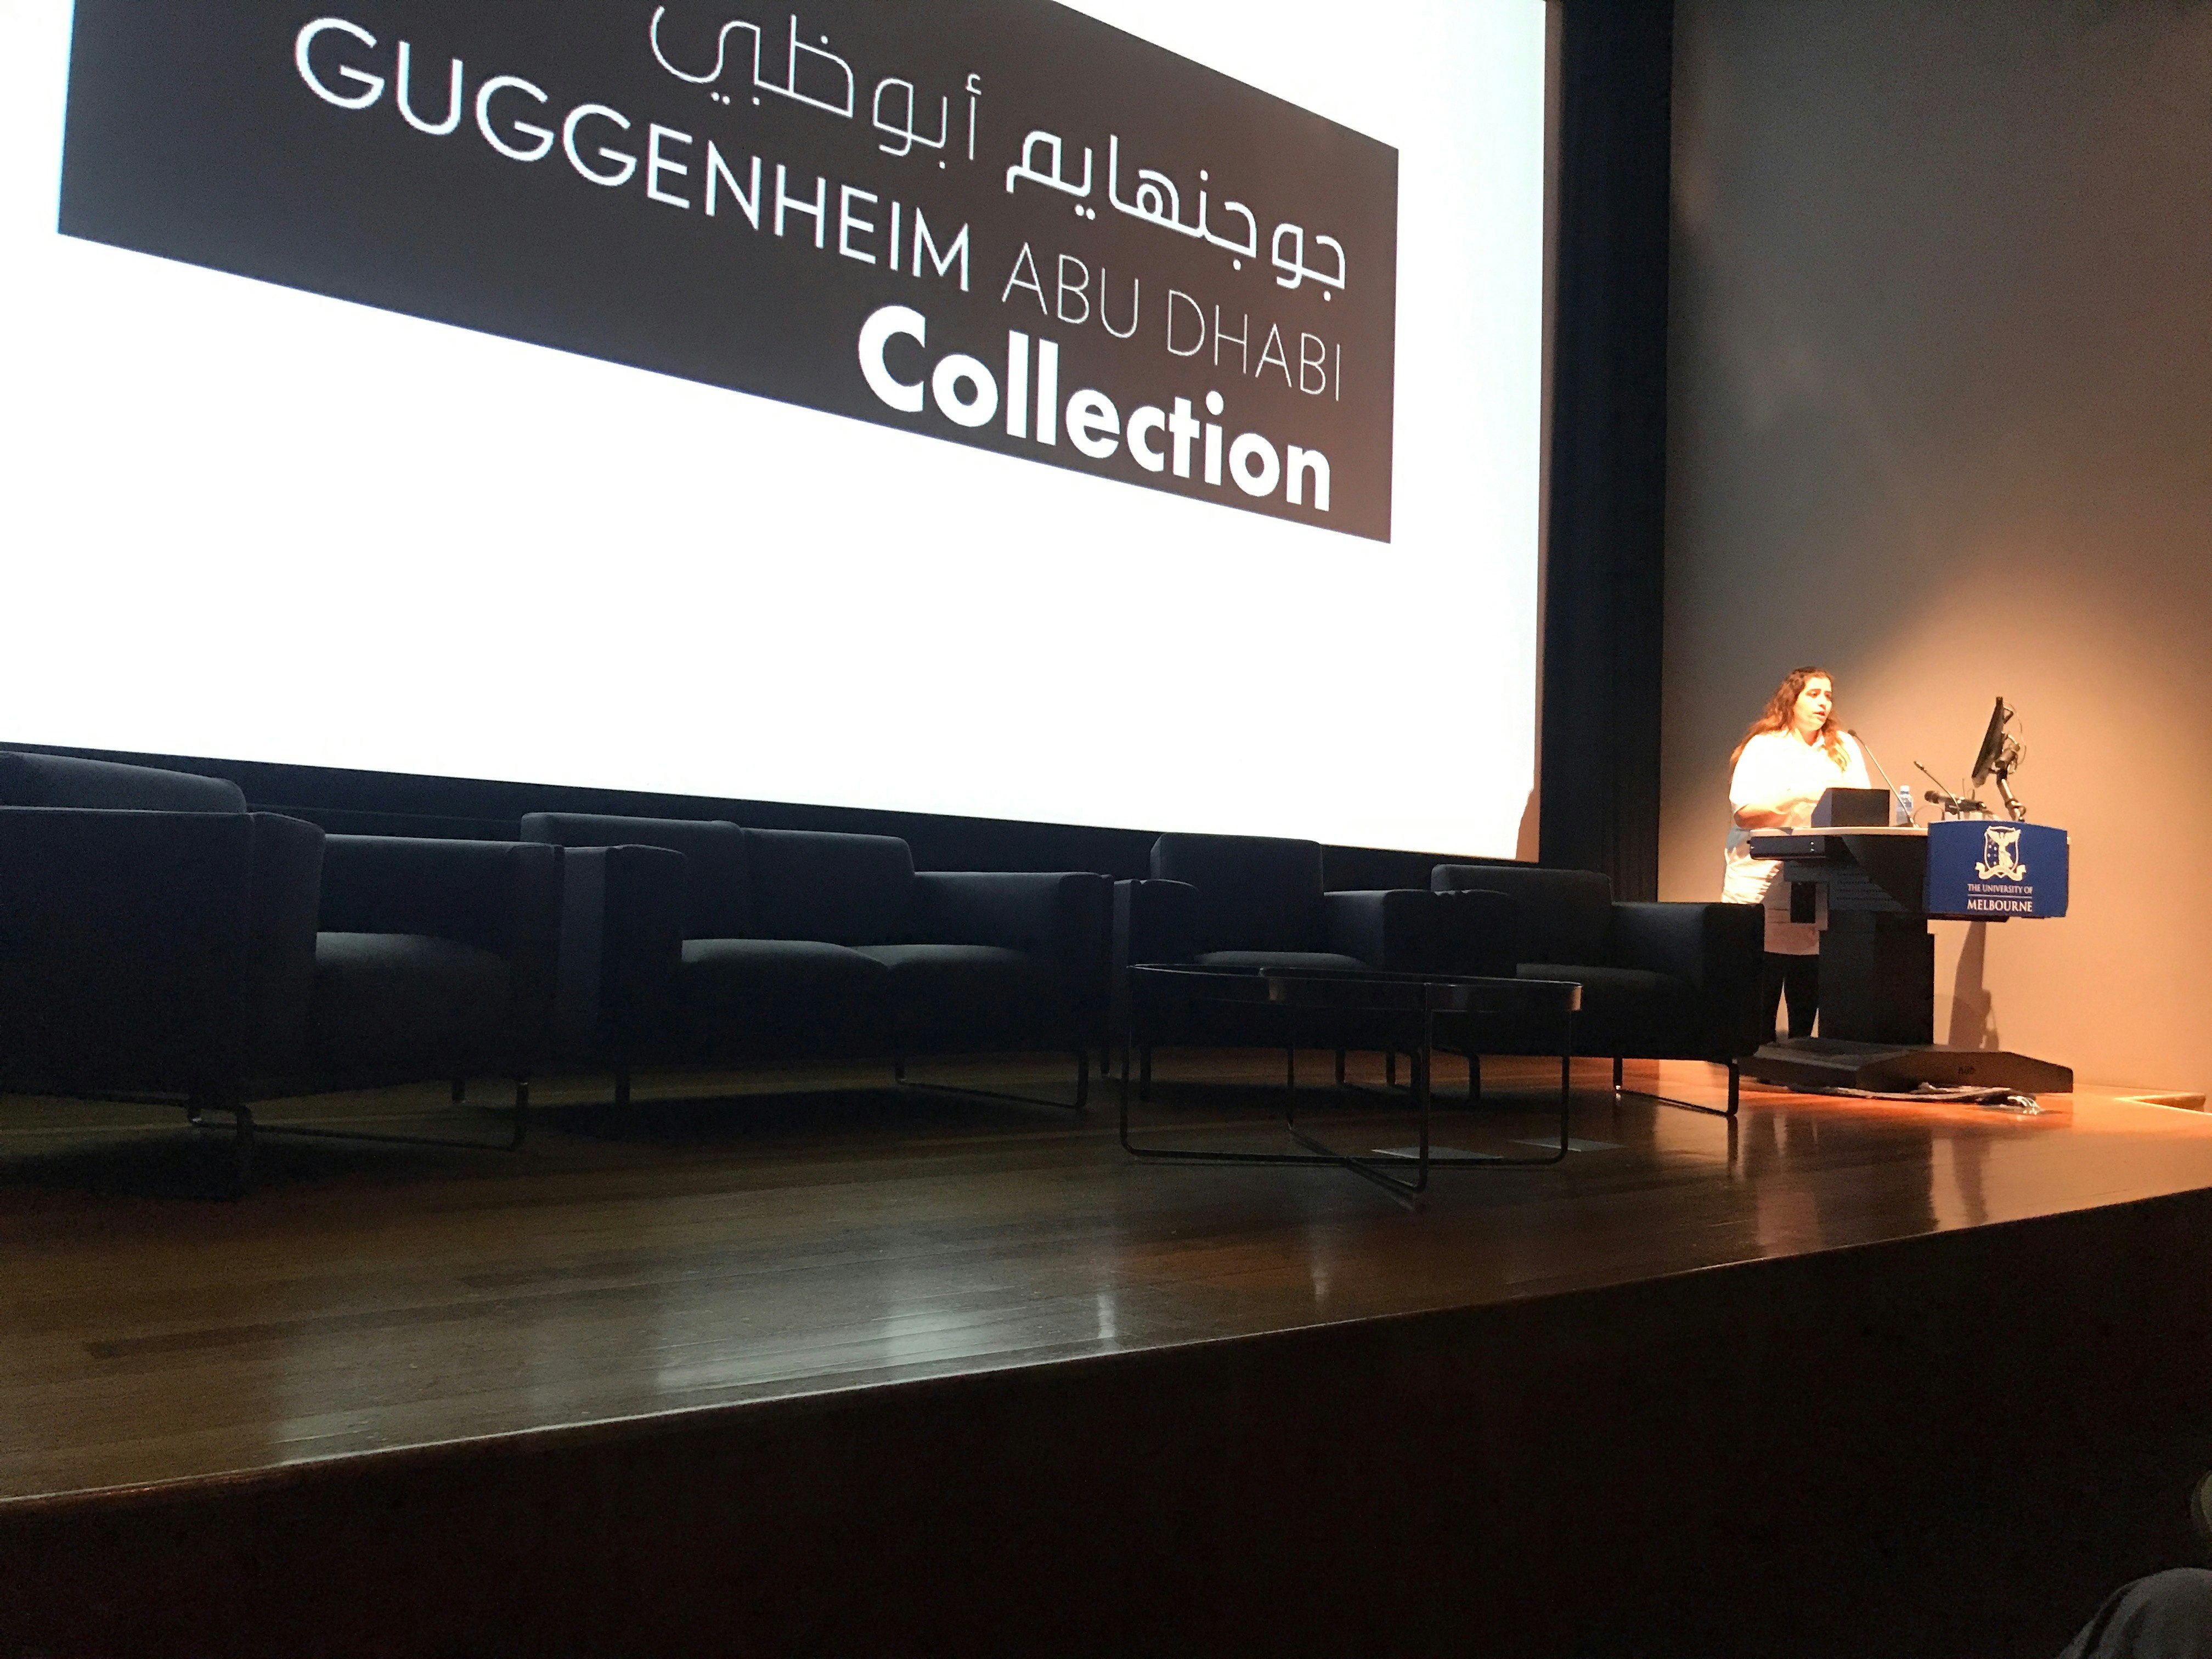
[1827, 1063]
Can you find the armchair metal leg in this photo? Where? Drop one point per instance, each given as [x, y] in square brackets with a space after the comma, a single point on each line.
[310, 1132]
[1734, 1094]
[197, 1107]
[1414, 1067]
[1082, 1086]
[460, 1090]
[1618, 1062]
[241, 1168]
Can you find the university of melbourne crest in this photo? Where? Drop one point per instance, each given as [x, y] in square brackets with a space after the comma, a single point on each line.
[2000, 854]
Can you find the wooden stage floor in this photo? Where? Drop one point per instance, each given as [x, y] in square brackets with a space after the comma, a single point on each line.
[376, 1309]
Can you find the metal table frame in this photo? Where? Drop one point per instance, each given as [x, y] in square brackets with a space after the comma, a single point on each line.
[1422, 996]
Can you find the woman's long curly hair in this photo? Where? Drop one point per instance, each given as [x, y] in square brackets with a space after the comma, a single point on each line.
[1782, 707]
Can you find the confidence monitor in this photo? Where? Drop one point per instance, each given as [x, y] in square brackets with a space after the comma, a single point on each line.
[1993, 743]
[1125, 414]
[2000, 754]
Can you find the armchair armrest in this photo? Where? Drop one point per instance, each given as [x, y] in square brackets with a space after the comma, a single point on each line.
[167, 952]
[1154, 922]
[1396, 929]
[287, 888]
[1690, 941]
[1718, 948]
[500, 896]
[1479, 931]
[622, 949]
[1063, 916]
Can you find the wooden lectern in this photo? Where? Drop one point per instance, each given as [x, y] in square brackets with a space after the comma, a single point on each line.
[1885, 884]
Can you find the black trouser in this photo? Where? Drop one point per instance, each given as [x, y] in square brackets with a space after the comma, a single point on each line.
[1801, 977]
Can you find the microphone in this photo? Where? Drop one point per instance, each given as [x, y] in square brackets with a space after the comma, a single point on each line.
[1903, 796]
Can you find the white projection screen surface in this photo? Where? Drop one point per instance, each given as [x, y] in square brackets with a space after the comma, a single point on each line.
[1126, 414]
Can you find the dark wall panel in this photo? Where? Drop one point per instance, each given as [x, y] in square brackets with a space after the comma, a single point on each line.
[1606, 556]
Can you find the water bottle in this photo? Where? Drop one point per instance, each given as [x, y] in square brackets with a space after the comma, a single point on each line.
[1903, 813]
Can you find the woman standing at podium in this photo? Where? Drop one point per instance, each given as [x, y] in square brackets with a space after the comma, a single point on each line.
[1792, 753]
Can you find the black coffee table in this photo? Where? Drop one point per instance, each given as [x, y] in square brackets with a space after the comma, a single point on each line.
[1418, 997]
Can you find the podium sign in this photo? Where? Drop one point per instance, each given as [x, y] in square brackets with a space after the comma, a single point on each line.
[1991, 869]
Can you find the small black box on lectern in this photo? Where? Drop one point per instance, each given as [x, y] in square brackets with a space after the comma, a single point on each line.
[1840, 809]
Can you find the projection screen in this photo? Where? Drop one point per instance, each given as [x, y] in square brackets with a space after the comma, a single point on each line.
[1124, 414]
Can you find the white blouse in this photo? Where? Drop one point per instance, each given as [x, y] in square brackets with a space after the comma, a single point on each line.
[1776, 765]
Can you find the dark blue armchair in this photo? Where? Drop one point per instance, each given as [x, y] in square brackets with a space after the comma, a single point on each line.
[696, 943]
[158, 940]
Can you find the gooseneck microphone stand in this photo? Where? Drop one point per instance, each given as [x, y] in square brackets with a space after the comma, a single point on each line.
[1905, 796]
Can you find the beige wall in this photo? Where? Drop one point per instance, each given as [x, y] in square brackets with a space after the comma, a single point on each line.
[1941, 420]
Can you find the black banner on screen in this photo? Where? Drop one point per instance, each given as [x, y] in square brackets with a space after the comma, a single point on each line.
[997, 222]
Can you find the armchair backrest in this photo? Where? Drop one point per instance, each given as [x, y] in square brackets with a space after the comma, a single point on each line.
[763, 884]
[66, 781]
[718, 898]
[841, 889]
[1562, 916]
[1254, 892]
